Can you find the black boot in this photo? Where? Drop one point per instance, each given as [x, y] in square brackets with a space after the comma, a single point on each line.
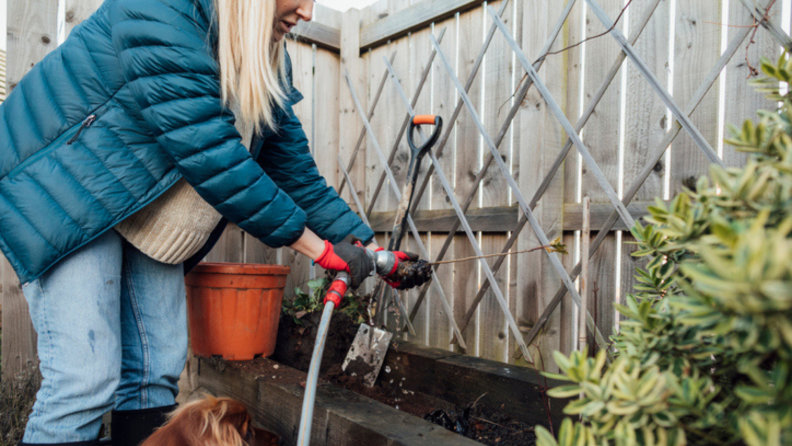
[131, 427]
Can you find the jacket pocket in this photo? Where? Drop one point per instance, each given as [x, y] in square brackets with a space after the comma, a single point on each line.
[68, 137]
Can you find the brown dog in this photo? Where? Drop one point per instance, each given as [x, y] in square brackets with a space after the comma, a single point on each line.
[211, 422]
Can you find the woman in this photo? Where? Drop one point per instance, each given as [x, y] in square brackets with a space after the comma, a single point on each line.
[119, 128]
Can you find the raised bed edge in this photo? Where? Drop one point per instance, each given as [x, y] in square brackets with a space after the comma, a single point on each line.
[342, 417]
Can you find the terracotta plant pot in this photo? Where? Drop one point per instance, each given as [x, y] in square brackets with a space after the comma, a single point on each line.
[234, 309]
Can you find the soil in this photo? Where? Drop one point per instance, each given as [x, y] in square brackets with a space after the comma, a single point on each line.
[295, 346]
[408, 274]
[492, 427]
[296, 342]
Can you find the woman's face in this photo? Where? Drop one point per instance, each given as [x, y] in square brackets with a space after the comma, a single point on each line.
[288, 12]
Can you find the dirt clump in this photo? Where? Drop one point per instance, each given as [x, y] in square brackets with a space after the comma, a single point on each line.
[410, 274]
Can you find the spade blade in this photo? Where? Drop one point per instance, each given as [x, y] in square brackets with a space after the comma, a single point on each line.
[365, 358]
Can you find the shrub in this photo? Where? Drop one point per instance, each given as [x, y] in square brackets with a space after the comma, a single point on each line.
[705, 354]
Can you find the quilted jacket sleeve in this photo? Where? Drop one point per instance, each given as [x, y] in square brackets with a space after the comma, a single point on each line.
[287, 160]
[170, 69]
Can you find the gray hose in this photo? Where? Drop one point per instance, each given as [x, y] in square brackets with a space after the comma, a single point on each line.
[304, 438]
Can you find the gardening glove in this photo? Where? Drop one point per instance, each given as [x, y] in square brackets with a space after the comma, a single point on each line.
[413, 272]
[347, 256]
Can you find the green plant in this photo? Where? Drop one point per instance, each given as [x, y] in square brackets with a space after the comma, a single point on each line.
[705, 354]
[305, 303]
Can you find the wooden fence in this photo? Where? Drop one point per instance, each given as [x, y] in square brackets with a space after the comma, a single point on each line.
[2, 76]
[586, 121]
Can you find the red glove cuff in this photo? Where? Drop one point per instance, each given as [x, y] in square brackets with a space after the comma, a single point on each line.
[329, 260]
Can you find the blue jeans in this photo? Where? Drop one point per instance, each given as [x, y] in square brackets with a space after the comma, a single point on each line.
[112, 334]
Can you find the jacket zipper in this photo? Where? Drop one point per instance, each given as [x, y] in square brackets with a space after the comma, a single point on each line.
[87, 123]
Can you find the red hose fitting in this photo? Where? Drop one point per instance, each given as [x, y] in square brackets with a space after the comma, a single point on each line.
[336, 292]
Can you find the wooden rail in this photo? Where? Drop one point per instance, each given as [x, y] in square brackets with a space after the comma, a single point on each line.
[420, 15]
[504, 218]
[321, 35]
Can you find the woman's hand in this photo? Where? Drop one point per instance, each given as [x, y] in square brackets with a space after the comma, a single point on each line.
[344, 256]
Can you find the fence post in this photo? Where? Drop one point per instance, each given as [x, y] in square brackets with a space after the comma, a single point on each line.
[32, 33]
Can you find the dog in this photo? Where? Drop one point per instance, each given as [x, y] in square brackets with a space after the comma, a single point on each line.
[211, 422]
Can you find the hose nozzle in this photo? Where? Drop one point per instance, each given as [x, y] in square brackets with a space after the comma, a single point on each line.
[384, 262]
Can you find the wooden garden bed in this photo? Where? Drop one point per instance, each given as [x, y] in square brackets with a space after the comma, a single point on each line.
[274, 393]
[422, 379]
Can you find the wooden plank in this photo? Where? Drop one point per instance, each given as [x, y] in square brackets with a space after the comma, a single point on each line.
[499, 84]
[573, 215]
[381, 120]
[468, 159]
[274, 397]
[19, 337]
[504, 218]
[571, 166]
[443, 102]
[257, 252]
[324, 30]
[78, 10]
[395, 108]
[462, 379]
[326, 132]
[319, 34]
[347, 117]
[32, 33]
[230, 248]
[601, 135]
[536, 154]
[420, 15]
[697, 48]
[742, 100]
[516, 127]
[420, 49]
[327, 16]
[646, 126]
[303, 73]
[2, 75]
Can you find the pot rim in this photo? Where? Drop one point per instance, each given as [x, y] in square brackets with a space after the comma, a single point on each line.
[240, 268]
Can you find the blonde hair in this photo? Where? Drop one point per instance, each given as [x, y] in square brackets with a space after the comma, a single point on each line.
[252, 63]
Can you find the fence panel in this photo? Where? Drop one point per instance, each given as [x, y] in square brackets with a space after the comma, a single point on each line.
[627, 125]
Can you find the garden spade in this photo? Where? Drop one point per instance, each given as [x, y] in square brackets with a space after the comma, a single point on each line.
[368, 349]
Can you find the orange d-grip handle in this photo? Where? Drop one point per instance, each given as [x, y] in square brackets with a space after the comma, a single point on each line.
[424, 119]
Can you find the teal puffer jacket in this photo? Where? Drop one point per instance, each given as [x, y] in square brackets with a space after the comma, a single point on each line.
[122, 110]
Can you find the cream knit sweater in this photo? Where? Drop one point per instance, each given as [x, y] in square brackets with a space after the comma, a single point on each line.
[175, 226]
